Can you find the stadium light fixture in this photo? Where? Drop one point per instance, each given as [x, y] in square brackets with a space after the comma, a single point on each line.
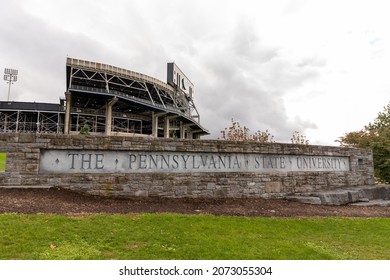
[10, 76]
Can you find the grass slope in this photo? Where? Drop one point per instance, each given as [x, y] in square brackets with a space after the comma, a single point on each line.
[172, 236]
[3, 159]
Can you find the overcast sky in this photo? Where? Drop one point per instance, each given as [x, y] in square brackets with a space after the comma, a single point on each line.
[319, 67]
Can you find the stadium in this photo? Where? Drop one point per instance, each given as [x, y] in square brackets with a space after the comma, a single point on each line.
[106, 100]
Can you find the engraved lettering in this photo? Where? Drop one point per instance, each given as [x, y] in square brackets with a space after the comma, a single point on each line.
[132, 159]
[194, 163]
[339, 162]
[164, 160]
[325, 162]
[306, 163]
[236, 162]
[72, 155]
[299, 163]
[257, 163]
[269, 163]
[204, 160]
[313, 160]
[152, 162]
[282, 162]
[142, 162]
[272, 162]
[185, 160]
[99, 161]
[222, 161]
[88, 161]
[319, 162]
[176, 163]
[212, 163]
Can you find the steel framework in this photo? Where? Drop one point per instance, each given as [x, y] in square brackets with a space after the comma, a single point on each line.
[92, 85]
[110, 101]
[37, 121]
[31, 117]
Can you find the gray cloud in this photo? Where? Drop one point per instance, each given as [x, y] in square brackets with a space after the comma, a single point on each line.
[247, 79]
[39, 52]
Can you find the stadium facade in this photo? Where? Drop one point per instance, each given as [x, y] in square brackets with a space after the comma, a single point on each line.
[107, 100]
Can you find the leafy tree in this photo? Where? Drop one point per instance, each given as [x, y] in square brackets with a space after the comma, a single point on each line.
[375, 136]
[238, 133]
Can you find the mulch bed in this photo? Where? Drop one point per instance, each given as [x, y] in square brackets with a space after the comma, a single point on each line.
[59, 201]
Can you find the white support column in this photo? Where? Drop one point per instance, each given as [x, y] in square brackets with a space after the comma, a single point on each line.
[68, 97]
[17, 121]
[155, 117]
[109, 105]
[155, 125]
[166, 127]
[38, 122]
[182, 131]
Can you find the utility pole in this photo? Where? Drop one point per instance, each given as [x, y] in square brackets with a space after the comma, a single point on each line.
[10, 76]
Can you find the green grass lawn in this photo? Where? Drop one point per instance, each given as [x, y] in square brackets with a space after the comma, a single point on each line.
[173, 236]
[3, 159]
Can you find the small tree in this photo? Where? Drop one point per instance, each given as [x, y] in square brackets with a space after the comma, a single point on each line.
[238, 133]
[235, 132]
[262, 136]
[85, 129]
[299, 139]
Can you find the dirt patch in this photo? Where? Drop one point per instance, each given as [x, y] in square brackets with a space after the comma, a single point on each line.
[59, 201]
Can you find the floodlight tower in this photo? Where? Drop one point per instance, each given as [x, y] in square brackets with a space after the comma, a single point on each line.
[11, 76]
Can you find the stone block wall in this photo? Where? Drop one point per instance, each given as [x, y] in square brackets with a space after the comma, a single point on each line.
[25, 153]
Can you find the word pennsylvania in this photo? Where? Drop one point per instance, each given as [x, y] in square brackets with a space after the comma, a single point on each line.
[61, 161]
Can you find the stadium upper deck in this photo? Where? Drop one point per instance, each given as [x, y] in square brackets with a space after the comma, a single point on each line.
[111, 101]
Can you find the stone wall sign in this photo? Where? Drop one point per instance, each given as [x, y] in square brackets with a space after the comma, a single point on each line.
[95, 161]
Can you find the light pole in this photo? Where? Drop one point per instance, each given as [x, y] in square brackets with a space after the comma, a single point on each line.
[11, 76]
